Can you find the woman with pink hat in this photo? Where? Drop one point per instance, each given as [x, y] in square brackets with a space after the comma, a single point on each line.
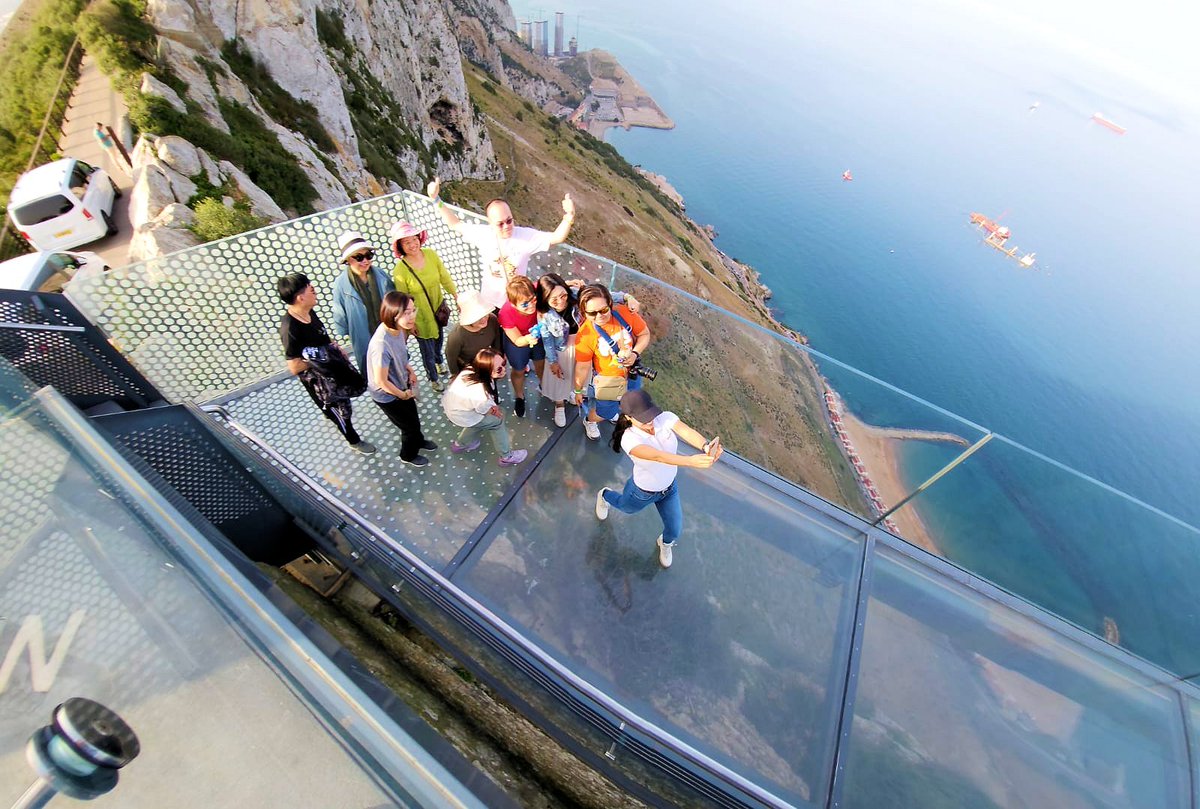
[420, 273]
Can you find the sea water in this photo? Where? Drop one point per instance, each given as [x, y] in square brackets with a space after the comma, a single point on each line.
[940, 110]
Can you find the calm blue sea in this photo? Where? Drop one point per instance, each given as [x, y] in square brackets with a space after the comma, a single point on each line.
[1091, 359]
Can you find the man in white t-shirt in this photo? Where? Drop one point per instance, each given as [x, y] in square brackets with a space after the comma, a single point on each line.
[504, 249]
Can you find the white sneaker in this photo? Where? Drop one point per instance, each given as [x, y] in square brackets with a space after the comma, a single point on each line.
[664, 552]
[560, 416]
[601, 504]
[591, 429]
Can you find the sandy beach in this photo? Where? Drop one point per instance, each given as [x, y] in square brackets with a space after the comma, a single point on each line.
[877, 452]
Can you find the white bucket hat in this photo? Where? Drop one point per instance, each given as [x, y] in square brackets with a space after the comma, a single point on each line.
[471, 308]
[352, 242]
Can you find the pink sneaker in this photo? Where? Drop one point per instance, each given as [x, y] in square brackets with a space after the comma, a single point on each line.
[457, 447]
[513, 458]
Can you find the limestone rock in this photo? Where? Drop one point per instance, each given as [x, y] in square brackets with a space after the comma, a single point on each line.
[260, 203]
[182, 60]
[150, 194]
[330, 191]
[171, 15]
[210, 168]
[180, 155]
[150, 242]
[176, 215]
[153, 87]
[182, 188]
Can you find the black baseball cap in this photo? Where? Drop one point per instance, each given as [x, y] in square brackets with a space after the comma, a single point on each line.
[638, 405]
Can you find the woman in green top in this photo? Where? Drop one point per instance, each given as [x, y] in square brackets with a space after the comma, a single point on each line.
[419, 272]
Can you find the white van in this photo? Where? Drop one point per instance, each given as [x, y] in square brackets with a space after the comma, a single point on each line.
[63, 204]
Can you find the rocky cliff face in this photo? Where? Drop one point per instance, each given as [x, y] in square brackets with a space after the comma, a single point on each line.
[368, 96]
[382, 65]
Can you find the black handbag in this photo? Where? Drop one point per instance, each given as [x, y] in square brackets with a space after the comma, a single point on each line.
[440, 313]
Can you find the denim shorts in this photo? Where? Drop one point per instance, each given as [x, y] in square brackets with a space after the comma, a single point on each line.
[519, 356]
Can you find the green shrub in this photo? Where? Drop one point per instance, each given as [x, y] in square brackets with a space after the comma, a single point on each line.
[282, 106]
[215, 220]
[31, 59]
[332, 32]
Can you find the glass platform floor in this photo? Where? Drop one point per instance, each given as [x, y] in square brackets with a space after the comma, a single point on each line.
[790, 642]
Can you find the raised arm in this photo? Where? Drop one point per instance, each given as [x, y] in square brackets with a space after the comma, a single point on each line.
[700, 461]
[564, 227]
[448, 216]
[696, 440]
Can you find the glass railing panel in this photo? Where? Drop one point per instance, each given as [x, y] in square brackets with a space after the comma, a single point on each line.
[94, 606]
[739, 649]
[1096, 557]
[799, 415]
[963, 702]
[1192, 711]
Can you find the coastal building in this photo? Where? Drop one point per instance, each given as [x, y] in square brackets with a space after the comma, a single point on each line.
[814, 655]
[540, 45]
[526, 33]
[573, 48]
[558, 33]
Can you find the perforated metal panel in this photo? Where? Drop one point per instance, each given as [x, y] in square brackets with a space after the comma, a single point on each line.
[205, 321]
[188, 460]
[51, 343]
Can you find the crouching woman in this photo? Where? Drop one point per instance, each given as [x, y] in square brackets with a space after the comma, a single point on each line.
[470, 403]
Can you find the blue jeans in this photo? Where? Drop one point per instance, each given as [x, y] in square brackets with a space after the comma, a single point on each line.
[431, 352]
[494, 427]
[634, 498]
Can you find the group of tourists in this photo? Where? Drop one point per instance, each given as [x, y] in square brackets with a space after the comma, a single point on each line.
[583, 342]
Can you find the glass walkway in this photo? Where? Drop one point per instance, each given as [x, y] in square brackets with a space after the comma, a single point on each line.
[831, 633]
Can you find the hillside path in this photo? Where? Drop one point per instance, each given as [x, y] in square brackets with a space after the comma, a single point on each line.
[94, 100]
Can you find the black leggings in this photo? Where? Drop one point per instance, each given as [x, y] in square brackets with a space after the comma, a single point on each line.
[340, 414]
[403, 413]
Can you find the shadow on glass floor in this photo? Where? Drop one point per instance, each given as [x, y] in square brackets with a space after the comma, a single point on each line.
[739, 649]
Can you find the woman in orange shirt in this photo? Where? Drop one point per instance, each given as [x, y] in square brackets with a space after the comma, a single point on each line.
[609, 343]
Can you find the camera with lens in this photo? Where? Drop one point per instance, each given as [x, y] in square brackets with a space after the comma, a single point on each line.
[646, 372]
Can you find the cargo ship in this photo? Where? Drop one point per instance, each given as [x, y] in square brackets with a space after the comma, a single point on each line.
[1107, 124]
[998, 236]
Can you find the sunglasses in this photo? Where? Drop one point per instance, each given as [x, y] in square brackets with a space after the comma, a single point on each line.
[504, 222]
[599, 312]
[367, 256]
[526, 302]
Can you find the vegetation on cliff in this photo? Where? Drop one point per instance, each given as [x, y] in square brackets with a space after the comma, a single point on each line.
[725, 376]
[118, 35]
[32, 53]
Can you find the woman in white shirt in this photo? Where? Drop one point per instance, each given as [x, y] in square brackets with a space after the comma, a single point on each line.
[649, 436]
[470, 403]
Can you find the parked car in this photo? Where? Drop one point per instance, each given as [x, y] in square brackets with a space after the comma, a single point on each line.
[63, 204]
[47, 271]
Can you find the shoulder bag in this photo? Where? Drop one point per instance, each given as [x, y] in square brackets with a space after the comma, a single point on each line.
[441, 313]
[611, 388]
